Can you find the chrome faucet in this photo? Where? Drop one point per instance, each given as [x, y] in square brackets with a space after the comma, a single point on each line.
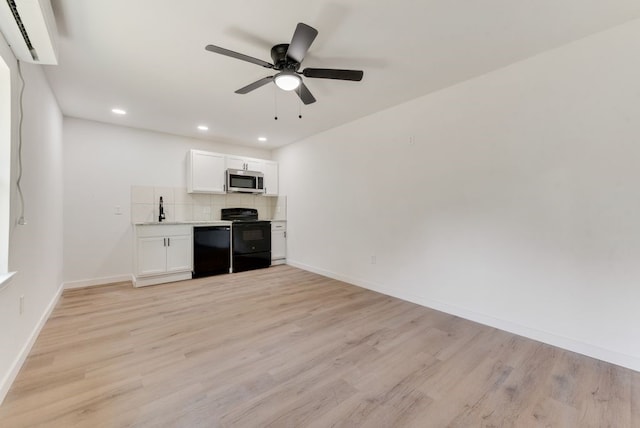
[161, 216]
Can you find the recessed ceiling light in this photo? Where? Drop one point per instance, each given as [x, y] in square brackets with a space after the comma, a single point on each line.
[118, 111]
[203, 127]
[262, 139]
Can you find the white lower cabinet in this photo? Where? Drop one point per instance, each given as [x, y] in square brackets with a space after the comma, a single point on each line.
[180, 253]
[278, 242]
[163, 253]
[152, 256]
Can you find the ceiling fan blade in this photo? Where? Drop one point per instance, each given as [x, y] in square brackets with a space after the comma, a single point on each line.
[255, 85]
[333, 73]
[301, 41]
[304, 94]
[243, 57]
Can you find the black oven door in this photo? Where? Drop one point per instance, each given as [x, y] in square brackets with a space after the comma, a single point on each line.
[251, 246]
[251, 237]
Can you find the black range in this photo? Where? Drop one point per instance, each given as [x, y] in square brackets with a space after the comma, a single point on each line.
[251, 239]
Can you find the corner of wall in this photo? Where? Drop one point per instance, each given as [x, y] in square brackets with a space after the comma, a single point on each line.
[10, 376]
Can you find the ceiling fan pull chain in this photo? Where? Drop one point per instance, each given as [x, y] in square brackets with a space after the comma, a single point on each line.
[299, 107]
[275, 102]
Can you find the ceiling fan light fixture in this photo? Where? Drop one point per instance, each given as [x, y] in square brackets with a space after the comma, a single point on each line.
[287, 81]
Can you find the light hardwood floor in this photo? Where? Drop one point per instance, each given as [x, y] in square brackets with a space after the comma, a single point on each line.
[282, 347]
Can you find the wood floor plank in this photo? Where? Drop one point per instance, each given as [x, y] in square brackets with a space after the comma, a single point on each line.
[284, 347]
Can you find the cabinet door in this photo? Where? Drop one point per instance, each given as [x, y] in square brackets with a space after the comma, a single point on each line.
[278, 245]
[152, 256]
[270, 171]
[234, 162]
[179, 253]
[254, 165]
[249, 164]
[206, 172]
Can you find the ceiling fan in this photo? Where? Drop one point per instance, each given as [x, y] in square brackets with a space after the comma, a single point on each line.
[287, 59]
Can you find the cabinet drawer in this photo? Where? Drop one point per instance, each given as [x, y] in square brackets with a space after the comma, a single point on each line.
[162, 230]
[278, 225]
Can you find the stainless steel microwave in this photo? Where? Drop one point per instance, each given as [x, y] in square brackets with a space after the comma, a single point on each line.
[240, 180]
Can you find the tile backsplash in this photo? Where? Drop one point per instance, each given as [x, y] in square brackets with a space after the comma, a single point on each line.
[182, 206]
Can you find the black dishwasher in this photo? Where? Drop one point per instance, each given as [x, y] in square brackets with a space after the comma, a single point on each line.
[211, 250]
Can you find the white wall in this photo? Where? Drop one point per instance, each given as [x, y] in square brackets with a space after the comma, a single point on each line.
[516, 205]
[5, 163]
[35, 249]
[101, 163]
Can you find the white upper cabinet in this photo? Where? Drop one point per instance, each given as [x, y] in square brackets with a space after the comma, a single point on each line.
[235, 162]
[255, 164]
[270, 171]
[206, 172]
[267, 167]
[247, 164]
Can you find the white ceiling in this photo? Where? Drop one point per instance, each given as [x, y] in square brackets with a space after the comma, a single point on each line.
[148, 57]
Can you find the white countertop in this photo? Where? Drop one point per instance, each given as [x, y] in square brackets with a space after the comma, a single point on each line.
[194, 223]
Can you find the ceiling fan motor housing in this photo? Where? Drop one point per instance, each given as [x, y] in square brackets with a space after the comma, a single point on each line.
[279, 57]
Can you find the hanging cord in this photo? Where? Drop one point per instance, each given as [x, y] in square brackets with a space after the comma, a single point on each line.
[275, 102]
[21, 220]
[299, 103]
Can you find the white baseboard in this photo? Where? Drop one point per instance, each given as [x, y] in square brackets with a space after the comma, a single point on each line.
[97, 281]
[588, 349]
[6, 383]
[161, 279]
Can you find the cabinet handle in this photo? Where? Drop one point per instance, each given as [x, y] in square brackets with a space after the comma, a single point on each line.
[164, 242]
[285, 233]
[168, 242]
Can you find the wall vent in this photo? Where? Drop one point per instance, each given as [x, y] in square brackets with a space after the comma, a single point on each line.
[29, 27]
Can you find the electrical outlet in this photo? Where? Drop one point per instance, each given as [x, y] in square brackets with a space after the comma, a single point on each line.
[373, 260]
[206, 210]
[117, 210]
[21, 304]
